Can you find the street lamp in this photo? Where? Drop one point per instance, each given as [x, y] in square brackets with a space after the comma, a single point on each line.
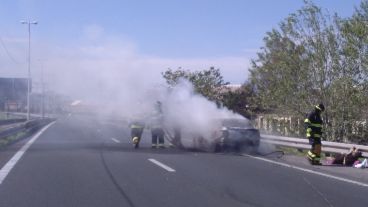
[29, 23]
[43, 91]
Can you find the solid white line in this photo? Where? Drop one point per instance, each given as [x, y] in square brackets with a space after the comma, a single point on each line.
[115, 140]
[309, 171]
[5, 170]
[162, 165]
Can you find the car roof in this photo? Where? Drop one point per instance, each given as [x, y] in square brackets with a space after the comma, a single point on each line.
[237, 122]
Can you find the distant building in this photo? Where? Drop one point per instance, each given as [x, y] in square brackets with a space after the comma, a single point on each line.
[13, 94]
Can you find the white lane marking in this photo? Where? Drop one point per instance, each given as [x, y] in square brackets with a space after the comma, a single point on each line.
[5, 170]
[162, 165]
[115, 140]
[309, 171]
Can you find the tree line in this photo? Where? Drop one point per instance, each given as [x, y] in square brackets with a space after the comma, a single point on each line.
[312, 56]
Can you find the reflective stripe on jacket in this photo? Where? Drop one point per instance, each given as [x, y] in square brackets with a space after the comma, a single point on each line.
[157, 121]
[137, 125]
[313, 124]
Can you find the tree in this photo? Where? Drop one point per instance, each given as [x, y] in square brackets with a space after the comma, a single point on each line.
[209, 82]
[241, 101]
[353, 82]
[297, 60]
[315, 57]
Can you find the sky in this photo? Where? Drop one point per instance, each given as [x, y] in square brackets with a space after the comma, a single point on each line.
[78, 40]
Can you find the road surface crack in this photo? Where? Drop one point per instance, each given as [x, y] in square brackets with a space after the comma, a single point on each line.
[318, 192]
[113, 180]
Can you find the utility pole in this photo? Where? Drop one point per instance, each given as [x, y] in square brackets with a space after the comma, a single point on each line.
[29, 65]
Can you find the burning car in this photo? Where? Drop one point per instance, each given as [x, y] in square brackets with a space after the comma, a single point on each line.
[237, 135]
[228, 135]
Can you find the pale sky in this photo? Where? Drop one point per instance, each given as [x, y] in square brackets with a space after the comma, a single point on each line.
[77, 39]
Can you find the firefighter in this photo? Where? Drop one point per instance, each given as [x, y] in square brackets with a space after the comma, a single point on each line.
[157, 127]
[137, 127]
[313, 124]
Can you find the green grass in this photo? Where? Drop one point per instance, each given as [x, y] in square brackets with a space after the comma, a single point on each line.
[10, 139]
[2, 116]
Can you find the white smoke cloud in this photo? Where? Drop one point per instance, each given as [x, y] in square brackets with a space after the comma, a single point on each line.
[193, 113]
[103, 68]
[109, 73]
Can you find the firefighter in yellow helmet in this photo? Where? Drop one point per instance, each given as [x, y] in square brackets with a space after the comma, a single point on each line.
[313, 124]
[137, 127]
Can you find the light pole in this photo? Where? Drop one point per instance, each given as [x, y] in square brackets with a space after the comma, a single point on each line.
[29, 23]
[43, 91]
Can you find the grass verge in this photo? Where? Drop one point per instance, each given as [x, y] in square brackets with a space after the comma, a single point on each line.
[12, 138]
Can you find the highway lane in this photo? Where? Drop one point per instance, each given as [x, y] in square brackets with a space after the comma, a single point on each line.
[83, 162]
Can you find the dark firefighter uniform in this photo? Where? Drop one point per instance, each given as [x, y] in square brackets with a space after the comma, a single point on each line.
[313, 124]
[136, 131]
[157, 130]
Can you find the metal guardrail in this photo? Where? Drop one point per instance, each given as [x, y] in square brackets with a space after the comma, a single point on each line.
[33, 116]
[300, 143]
[11, 121]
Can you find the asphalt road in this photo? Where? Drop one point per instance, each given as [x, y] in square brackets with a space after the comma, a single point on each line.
[84, 162]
